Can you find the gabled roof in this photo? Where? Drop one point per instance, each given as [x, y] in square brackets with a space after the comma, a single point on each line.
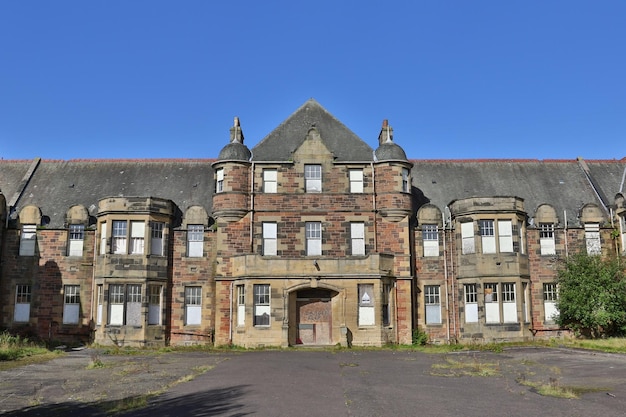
[560, 183]
[289, 135]
[55, 186]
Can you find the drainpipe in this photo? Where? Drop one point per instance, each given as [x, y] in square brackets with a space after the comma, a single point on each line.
[230, 316]
[374, 206]
[445, 274]
[251, 205]
[565, 233]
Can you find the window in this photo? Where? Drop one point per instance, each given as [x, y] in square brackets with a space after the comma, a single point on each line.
[116, 304]
[522, 243]
[550, 295]
[592, 238]
[622, 222]
[430, 236]
[133, 305]
[77, 236]
[103, 238]
[313, 178]
[357, 236]
[270, 181]
[71, 304]
[492, 308]
[99, 303]
[241, 305]
[156, 238]
[262, 305]
[154, 304]
[487, 234]
[505, 235]
[137, 236]
[118, 241]
[509, 307]
[386, 304]
[28, 239]
[219, 180]
[269, 239]
[195, 240]
[23, 295]
[356, 180]
[313, 238]
[432, 301]
[366, 305]
[546, 239]
[471, 303]
[467, 236]
[406, 181]
[193, 306]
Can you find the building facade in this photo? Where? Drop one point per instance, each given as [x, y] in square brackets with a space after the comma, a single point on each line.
[309, 238]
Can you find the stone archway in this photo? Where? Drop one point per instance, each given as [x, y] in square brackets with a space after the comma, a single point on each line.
[314, 318]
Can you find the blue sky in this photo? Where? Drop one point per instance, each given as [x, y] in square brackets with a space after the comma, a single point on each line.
[455, 79]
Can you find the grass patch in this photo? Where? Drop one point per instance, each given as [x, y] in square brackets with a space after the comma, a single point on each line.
[456, 368]
[18, 351]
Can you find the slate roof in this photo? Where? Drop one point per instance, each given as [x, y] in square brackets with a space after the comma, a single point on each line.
[289, 135]
[57, 185]
[560, 183]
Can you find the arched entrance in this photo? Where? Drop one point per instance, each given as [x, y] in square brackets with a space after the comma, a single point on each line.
[314, 316]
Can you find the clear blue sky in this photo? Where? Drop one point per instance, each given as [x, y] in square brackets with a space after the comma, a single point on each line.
[456, 79]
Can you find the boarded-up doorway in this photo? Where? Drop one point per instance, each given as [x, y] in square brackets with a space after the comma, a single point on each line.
[314, 317]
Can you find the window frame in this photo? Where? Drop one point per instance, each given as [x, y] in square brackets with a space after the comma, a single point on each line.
[71, 304]
[119, 237]
[219, 180]
[550, 298]
[367, 303]
[137, 237]
[357, 238]
[155, 304]
[23, 300]
[313, 178]
[356, 179]
[262, 297]
[547, 243]
[487, 231]
[270, 238]
[432, 304]
[593, 241]
[313, 238]
[157, 246]
[195, 240]
[270, 181]
[76, 238]
[470, 295]
[241, 305]
[406, 180]
[193, 305]
[28, 240]
[430, 239]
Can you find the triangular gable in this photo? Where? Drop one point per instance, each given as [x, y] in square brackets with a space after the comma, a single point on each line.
[290, 134]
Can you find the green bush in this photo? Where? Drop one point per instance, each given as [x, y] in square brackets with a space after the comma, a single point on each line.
[420, 337]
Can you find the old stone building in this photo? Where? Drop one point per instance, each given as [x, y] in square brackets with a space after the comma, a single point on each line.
[309, 238]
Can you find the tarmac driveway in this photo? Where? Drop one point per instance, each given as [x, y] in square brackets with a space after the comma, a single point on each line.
[322, 383]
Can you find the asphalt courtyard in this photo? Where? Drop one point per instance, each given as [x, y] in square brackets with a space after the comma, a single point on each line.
[306, 382]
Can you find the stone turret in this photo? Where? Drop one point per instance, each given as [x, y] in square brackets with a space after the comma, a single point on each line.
[232, 181]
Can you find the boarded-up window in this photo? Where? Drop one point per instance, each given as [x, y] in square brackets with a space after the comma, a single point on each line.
[262, 305]
[270, 181]
[154, 304]
[592, 238]
[367, 316]
[118, 241]
[432, 301]
[23, 296]
[488, 236]
[156, 238]
[549, 302]
[28, 240]
[357, 237]
[313, 238]
[270, 232]
[471, 303]
[492, 308]
[241, 305]
[356, 180]
[467, 236]
[116, 304]
[505, 235]
[195, 240]
[193, 306]
[430, 237]
[71, 304]
[133, 305]
[546, 238]
[77, 236]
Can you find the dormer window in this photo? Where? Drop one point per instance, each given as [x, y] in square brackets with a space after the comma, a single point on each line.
[313, 178]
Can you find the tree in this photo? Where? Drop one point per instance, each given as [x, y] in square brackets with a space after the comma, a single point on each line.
[592, 296]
